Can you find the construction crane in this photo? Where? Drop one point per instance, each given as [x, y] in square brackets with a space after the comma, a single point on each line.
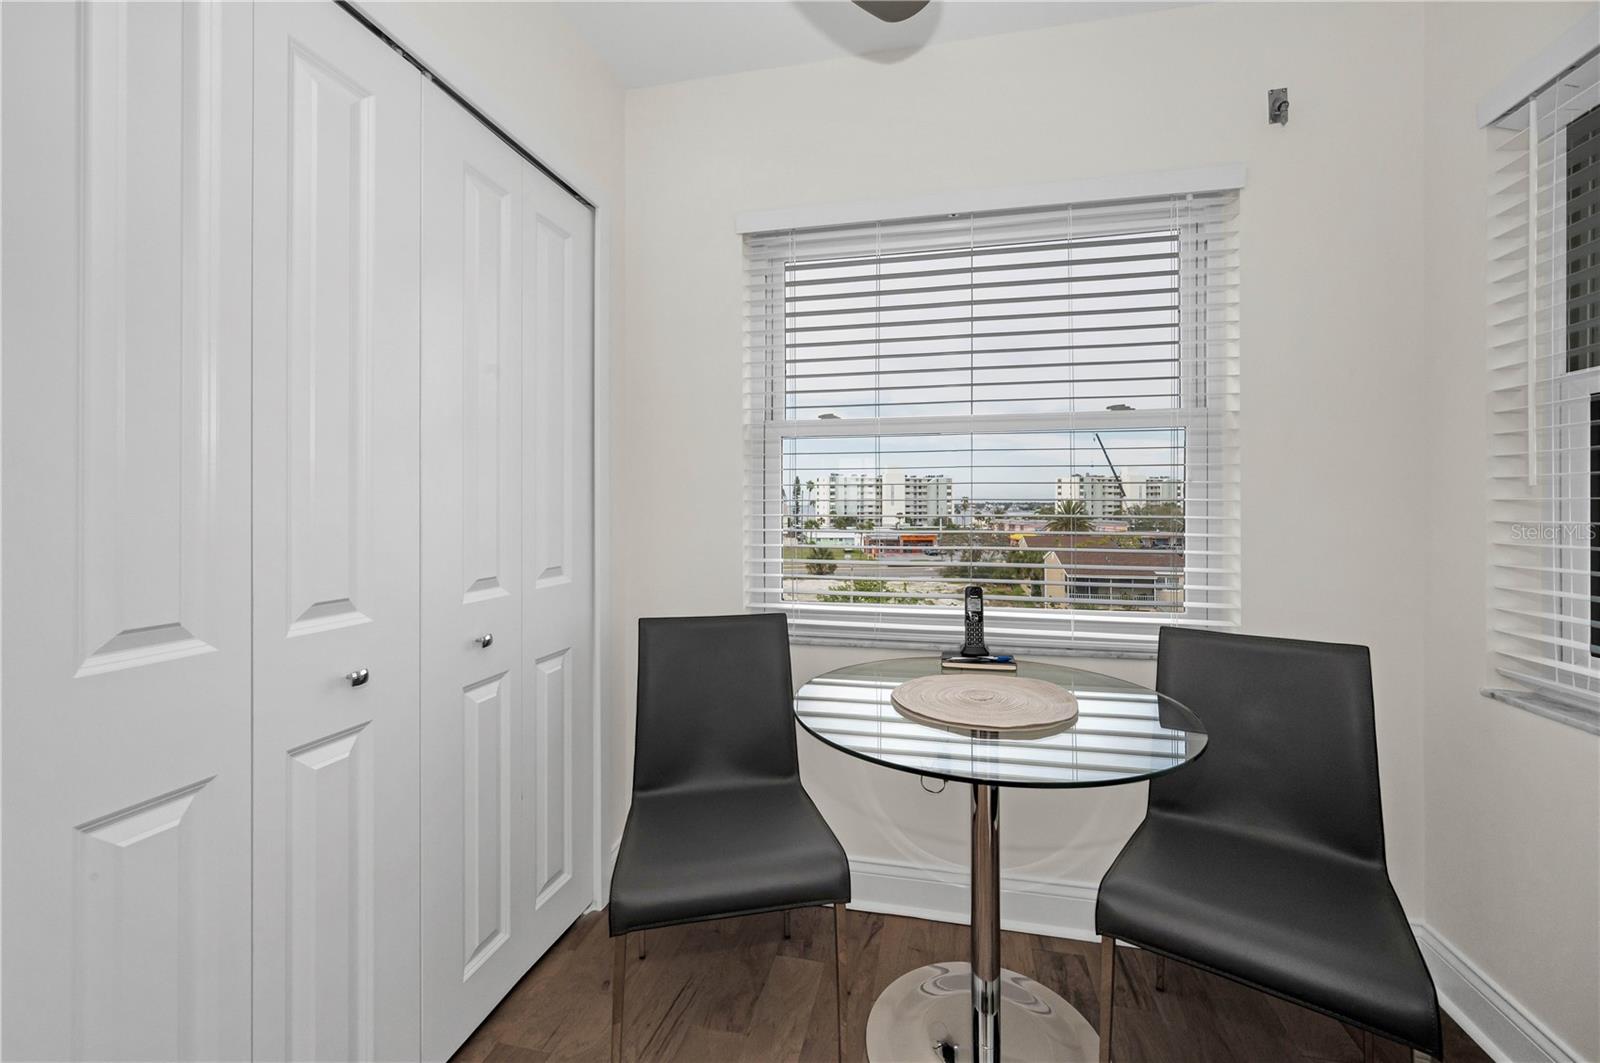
[1115, 475]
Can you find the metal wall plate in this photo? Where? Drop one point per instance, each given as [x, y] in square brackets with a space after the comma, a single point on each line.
[1278, 106]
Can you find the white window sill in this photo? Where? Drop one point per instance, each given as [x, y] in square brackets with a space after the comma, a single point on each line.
[1583, 719]
[912, 644]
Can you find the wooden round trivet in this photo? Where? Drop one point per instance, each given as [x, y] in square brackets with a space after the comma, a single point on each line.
[985, 702]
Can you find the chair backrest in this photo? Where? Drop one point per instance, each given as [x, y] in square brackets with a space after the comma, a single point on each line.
[1292, 750]
[715, 702]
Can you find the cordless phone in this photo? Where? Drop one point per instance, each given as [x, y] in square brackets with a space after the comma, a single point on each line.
[974, 645]
[974, 652]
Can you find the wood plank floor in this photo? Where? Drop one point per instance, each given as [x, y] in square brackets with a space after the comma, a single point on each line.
[735, 990]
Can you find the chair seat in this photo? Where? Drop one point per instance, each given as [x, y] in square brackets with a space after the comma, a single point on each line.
[707, 854]
[1321, 930]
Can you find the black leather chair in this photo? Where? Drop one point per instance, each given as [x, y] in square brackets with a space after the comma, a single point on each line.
[720, 825]
[1263, 861]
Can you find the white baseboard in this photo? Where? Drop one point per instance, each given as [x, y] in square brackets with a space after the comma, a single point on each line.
[1032, 906]
[1502, 1027]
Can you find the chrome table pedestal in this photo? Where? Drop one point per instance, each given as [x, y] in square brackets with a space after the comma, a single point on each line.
[955, 1012]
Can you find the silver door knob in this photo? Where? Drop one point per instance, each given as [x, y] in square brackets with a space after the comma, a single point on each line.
[359, 677]
[484, 640]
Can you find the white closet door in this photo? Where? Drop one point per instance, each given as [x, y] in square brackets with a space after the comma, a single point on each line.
[337, 124]
[475, 854]
[126, 529]
[558, 507]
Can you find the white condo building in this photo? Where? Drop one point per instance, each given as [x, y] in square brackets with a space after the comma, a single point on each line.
[850, 495]
[1159, 490]
[1103, 496]
[892, 499]
[928, 498]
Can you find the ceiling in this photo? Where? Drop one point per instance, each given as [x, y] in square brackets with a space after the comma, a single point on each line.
[654, 42]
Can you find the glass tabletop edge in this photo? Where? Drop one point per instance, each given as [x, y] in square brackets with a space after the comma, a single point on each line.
[906, 769]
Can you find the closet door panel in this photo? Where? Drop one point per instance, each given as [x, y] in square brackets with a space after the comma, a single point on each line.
[126, 528]
[337, 144]
[476, 859]
[558, 504]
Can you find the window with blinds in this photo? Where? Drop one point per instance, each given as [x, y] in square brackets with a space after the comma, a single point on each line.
[1544, 371]
[1041, 403]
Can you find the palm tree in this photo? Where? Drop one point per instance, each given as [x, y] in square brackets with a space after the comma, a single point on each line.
[1068, 516]
[794, 505]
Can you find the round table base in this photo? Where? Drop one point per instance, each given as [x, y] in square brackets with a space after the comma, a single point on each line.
[925, 1016]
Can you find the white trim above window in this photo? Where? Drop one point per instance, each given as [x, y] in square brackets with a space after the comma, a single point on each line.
[1042, 402]
[1229, 177]
[1534, 76]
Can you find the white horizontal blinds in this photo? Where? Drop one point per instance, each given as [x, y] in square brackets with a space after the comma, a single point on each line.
[1544, 372]
[1038, 402]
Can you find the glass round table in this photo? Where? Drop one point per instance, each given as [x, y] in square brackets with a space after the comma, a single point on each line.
[1122, 733]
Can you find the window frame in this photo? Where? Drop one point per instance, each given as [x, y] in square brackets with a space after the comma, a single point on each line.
[1544, 616]
[1065, 631]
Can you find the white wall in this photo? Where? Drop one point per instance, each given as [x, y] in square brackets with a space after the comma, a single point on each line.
[529, 70]
[1512, 801]
[1331, 378]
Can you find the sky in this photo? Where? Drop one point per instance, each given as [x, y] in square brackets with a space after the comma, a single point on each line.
[1021, 467]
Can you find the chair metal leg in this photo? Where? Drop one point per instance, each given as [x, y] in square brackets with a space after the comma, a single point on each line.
[619, 974]
[786, 924]
[840, 982]
[1161, 973]
[1108, 988]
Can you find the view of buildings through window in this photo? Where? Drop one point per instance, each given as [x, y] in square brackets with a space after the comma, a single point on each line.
[1036, 519]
